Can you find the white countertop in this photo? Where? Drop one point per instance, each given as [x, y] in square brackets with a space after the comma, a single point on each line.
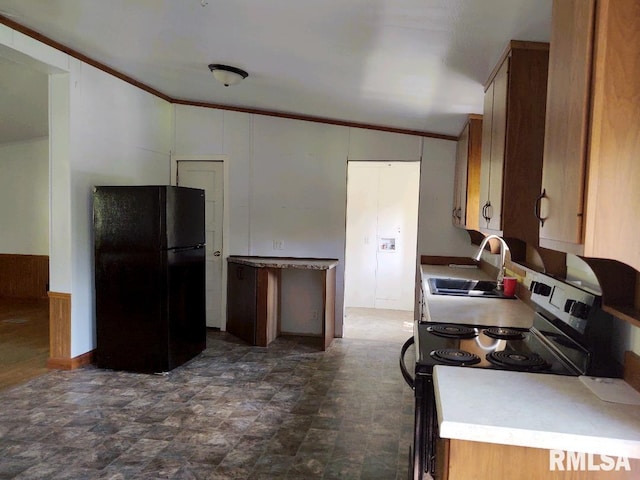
[532, 410]
[497, 312]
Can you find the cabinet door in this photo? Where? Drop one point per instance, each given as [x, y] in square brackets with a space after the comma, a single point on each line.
[242, 292]
[470, 219]
[485, 164]
[612, 221]
[498, 136]
[493, 136]
[460, 182]
[567, 117]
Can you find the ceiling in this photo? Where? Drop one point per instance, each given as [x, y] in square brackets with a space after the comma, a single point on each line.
[407, 64]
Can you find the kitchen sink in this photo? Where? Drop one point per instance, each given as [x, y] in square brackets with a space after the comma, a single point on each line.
[464, 287]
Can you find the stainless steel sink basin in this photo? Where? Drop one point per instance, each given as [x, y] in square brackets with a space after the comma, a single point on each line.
[464, 287]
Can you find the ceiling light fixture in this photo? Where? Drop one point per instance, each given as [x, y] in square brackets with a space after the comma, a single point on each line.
[227, 75]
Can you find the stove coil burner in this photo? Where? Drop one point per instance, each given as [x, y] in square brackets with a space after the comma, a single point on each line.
[513, 359]
[453, 356]
[452, 331]
[502, 333]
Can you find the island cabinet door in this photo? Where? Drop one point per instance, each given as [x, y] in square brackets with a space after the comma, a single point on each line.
[242, 292]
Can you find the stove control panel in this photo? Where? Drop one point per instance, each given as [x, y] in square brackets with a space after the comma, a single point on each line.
[562, 300]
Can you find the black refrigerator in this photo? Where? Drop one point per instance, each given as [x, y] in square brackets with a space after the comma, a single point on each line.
[149, 276]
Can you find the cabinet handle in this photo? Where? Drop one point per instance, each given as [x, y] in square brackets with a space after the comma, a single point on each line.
[536, 209]
[486, 212]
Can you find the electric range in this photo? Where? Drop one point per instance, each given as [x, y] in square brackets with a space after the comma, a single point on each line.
[570, 335]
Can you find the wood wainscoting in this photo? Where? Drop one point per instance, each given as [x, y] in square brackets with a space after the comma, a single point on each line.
[24, 276]
[60, 334]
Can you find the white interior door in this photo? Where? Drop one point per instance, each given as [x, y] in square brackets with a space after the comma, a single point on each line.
[381, 240]
[209, 176]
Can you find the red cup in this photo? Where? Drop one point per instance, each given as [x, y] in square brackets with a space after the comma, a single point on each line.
[509, 286]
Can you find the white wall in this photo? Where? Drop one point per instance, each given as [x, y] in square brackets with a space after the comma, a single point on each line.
[287, 182]
[373, 145]
[436, 234]
[24, 197]
[120, 135]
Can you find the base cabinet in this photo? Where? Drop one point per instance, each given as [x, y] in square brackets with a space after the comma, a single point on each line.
[465, 460]
[242, 308]
[254, 297]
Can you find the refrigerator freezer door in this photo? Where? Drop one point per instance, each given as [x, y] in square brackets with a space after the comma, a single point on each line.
[148, 217]
[185, 217]
[129, 218]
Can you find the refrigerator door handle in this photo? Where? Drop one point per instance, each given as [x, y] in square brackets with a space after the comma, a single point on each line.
[185, 249]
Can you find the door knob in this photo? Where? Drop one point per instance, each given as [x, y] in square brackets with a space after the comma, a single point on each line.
[216, 253]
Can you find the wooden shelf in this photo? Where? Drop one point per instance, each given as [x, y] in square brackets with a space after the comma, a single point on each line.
[628, 313]
[619, 283]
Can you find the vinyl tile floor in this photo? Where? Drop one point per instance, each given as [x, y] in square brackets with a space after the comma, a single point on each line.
[287, 411]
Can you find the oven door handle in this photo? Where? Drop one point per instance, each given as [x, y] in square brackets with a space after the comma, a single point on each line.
[403, 367]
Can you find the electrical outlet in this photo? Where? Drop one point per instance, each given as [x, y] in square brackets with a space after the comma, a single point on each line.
[278, 244]
[314, 314]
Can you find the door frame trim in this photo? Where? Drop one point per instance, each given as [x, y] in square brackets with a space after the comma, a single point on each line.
[224, 159]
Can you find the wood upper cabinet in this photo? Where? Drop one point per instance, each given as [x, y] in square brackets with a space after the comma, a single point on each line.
[593, 140]
[466, 193]
[512, 142]
[567, 118]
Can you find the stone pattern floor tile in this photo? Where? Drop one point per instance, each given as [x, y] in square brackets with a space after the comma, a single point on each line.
[234, 412]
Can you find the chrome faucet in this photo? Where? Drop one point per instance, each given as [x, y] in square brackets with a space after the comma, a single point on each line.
[503, 252]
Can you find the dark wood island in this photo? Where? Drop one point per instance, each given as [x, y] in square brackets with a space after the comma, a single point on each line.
[254, 296]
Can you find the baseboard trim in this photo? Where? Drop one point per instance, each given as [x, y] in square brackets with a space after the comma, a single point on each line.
[71, 363]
